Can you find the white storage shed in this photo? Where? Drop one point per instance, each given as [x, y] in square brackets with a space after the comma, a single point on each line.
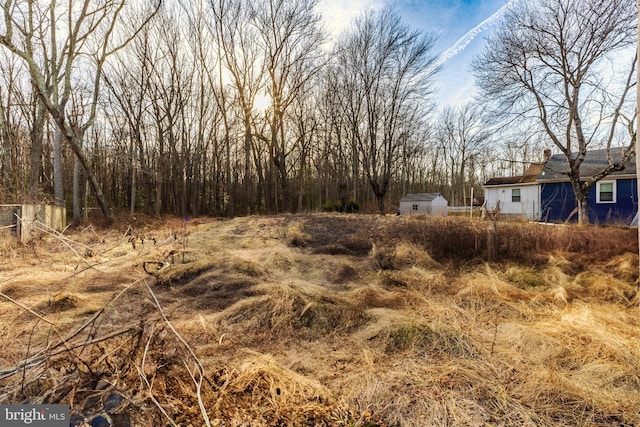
[424, 203]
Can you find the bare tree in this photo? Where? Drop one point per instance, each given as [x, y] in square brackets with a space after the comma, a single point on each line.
[389, 70]
[291, 38]
[7, 90]
[241, 56]
[462, 135]
[55, 42]
[305, 123]
[551, 60]
[338, 160]
[127, 81]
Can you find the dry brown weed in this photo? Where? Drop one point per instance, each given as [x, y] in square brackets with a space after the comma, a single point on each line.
[250, 327]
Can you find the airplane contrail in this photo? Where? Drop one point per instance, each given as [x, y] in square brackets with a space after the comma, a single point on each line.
[468, 37]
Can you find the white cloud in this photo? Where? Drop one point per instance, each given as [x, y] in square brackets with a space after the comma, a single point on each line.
[470, 35]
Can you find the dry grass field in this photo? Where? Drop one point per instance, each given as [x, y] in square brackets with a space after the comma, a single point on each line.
[327, 320]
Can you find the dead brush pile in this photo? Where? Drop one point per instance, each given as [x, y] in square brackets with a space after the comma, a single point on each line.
[327, 320]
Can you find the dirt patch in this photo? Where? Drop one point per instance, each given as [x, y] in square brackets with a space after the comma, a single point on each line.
[61, 302]
[342, 234]
[217, 292]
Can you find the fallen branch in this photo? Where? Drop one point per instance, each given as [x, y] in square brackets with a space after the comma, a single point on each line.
[199, 367]
[149, 384]
[65, 240]
[38, 360]
[46, 353]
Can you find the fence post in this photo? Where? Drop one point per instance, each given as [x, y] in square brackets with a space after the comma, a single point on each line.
[491, 241]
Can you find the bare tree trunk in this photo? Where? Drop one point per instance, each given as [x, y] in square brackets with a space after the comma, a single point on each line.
[35, 157]
[583, 211]
[5, 139]
[76, 147]
[76, 192]
[247, 165]
[134, 171]
[58, 182]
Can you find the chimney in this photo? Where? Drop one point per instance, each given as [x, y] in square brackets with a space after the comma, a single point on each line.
[546, 155]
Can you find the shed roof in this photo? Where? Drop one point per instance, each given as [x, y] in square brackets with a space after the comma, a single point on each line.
[420, 197]
[557, 168]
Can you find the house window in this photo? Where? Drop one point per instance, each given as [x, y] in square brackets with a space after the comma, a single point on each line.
[415, 207]
[606, 192]
[515, 195]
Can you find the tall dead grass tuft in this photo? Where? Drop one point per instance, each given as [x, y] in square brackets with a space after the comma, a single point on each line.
[401, 256]
[528, 345]
[624, 267]
[259, 391]
[489, 286]
[377, 297]
[433, 338]
[180, 274]
[295, 236]
[396, 279]
[291, 311]
[606, 327]
[410, 255]
[604, 287]
[524, 277]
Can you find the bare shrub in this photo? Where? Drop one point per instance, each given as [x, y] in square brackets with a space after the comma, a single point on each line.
[459, 240]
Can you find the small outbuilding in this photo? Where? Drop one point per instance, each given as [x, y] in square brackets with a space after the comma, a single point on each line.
[424, 203]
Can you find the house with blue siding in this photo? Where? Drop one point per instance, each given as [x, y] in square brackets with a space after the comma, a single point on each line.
[549, 197]
[612, 200]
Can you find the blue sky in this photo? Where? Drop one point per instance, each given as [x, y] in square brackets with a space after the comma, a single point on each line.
[449, 20]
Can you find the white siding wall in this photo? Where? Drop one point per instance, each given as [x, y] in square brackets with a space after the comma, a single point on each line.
[439, 206]
[528, 207]
[406, 208]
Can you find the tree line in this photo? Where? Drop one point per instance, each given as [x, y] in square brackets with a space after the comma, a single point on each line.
[160, 108]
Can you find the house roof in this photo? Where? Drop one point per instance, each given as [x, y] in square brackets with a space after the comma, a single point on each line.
[530, 176]
[557, 168]
[420, 197]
